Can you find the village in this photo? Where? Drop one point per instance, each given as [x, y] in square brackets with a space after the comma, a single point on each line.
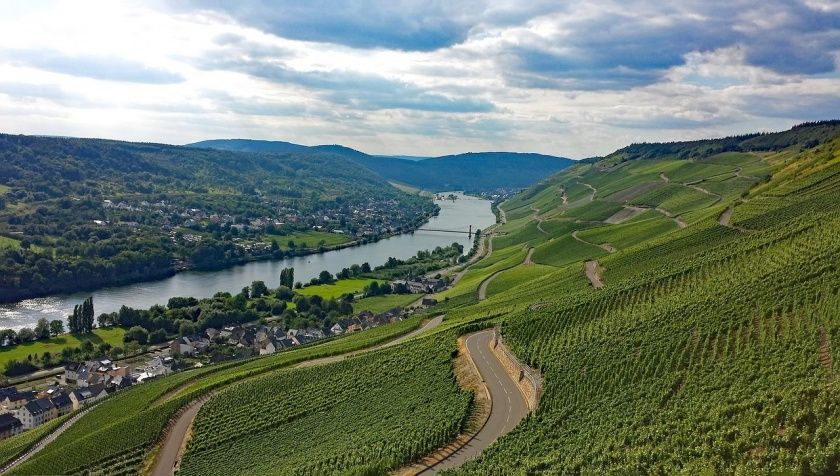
[357, 221]
[83, 384]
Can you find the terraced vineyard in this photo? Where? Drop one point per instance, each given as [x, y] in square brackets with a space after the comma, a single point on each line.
[711, 348]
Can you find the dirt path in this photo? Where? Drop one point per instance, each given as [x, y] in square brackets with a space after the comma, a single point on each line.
[726, 220]
[507, 407]
[482, 288]
[528, 261]
[175, 440]
[679, 221]
[590, 187]
[538, 219]
[625, 214]
[44, 441]
[593, 273]
[604, 246]
[726, 217]
[664, 177]
[703, 190]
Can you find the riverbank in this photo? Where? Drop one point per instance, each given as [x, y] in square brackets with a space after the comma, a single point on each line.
[201, 284]
[6, 297]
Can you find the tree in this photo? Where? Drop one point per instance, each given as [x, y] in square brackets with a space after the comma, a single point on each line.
[301, 303]
[42, 329]
[15, 367]
[186, 328]
[8, 337]
[137, 334]
[26, 335]
[325, 277]
[157, 336]
[81, 321]
[373, 289]
[284, 293]
[258, 289]
[278, 308]
[345, 308]
[365, 267]
[287, 277]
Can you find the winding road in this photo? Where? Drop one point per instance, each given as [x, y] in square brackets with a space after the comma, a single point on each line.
[508, 406]
[482, 288]
[178, 435]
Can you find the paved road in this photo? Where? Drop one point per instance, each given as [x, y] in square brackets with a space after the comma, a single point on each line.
[508, 405]
[167, 458]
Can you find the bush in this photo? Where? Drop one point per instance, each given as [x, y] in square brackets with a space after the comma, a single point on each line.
[137, 334]
[18, 367]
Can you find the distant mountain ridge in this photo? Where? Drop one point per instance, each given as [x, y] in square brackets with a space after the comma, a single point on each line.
[472, 171]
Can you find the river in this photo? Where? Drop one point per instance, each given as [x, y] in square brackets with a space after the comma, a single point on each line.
[457, 215]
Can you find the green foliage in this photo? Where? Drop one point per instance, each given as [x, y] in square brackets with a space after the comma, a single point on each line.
[564, 250]
[120, 430]
[710, 350]
[57, 203]
[329, 419]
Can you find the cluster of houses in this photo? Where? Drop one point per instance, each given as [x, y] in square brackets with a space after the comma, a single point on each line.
[84, 383]
[422, 284]
[253, 339]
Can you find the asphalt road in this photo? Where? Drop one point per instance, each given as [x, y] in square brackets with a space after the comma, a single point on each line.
[508, 405]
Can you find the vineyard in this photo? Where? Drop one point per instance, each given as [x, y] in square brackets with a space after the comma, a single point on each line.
[377, 411]
[712, 347]
[119, 432]
[711, 350]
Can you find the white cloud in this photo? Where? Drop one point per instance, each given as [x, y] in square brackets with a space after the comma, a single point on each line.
[563, 80]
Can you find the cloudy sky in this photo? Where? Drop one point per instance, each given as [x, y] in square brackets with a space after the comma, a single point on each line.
[422, 77]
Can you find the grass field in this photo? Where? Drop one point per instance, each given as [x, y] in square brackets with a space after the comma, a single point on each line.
[9, 243]
[565, 250]
[4, 189]
[338, 289]
[110, 335]
[513, 277]
[378, 304]
[309, 238]
[628, 234]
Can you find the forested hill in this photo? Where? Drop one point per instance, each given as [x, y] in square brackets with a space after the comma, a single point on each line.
[91, 212]
[475, 171]
[805, 136]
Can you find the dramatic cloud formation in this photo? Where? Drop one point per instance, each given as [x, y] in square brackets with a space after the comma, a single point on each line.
[419, 77]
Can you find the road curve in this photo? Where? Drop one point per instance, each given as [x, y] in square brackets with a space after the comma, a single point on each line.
[507, 409]
[168, 456]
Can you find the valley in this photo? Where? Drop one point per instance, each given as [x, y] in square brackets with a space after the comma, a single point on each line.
[680, 325]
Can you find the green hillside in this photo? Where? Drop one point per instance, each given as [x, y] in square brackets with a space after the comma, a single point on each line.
[85, 213]
[475, 171]
[709, 349]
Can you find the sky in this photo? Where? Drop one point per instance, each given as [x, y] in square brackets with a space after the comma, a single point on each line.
[424, 77]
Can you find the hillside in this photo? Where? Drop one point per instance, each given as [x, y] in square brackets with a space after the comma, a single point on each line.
[475, 171]
[79, 213]
[683, 313]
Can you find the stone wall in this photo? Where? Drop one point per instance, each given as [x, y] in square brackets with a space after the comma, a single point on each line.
[527, 379]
